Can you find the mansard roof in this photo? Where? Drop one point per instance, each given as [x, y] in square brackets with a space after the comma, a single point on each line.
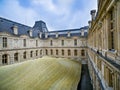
[7, 26]
[39, 27]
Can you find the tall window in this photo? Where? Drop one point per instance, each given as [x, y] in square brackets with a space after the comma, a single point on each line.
[69, 52]
[62, 52]
[62, 42]
[56, 52]
[40, 52]
[24, 42]
[4, 59]
[46, 52]
[110, 78]
[51, 43]
[112, 31]
[31, 54]
[75, 42]
[82, 52]
[51, 52]
[24, 55]
[75, 52]
[4, 42]
[36, 52]
[16, 57]
[36, 43]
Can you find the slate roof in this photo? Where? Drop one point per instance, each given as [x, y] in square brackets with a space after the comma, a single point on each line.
[40, 26]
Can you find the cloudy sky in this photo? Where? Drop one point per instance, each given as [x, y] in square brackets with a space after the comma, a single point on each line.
[58, 14]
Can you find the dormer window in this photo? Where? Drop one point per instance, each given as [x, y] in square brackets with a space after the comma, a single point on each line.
[30, 33]
[82, 32]
[68, 34]
[46, 35]
[40, 34]
[56, 34]
[15, 29]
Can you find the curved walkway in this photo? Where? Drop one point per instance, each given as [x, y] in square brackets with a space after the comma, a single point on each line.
[85, 82]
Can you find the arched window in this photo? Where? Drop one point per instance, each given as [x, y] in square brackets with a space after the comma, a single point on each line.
[69, 52]
[46, 52]
[31, 54]
[16, 57]
[40, 52]
[5, 59]
[62, 52]
[56, 52]
[82, 52]
[24, 55]
[51, 52]
[75, 52]
[36, 52]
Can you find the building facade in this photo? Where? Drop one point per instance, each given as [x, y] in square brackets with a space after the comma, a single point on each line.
[20, 42]
[98, 45]
[104, 45]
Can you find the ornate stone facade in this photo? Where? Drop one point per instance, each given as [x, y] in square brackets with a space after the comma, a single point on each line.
[104, 45]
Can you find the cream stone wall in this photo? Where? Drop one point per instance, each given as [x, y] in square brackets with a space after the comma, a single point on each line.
[15, 44]
[104, 61]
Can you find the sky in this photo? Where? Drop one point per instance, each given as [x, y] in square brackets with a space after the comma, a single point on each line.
[57, 14]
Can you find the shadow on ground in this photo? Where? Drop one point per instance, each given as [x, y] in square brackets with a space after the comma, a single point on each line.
[85, 82]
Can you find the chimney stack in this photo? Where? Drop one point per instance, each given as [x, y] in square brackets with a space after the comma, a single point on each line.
[93, 14]
[89, 22]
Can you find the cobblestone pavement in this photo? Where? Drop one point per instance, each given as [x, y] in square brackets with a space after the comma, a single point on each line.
[85, 82]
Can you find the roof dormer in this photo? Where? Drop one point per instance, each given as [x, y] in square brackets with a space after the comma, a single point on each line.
[15, 29]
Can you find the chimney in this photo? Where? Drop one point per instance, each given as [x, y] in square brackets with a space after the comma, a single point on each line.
[93, 14]
[15, 29]
[68, 34]
[30, 33]
[89, 22]
[56, 34]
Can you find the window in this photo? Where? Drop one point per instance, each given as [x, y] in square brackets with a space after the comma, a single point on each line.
[51, 52]
[51, 43]
[36, 43]
[82, 52]
[24, 42]
[62, 52]
[62, 42]
[16, 57]
[40, 52]
[69, 52]
[36, 52]
[75, 52]
[111, 30]
[4, 59]
[46, 52]
[110, 75]
[75, 42]
[56, 52]
[24, 55]
[4, 42]
[31, 54]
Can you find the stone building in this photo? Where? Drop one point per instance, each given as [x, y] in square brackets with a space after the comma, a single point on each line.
[104, 45]
[20, 42]
[98, 44]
